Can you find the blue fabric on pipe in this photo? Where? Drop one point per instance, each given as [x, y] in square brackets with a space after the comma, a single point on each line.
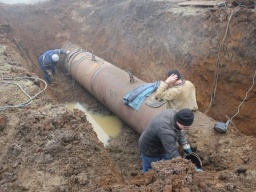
[136, 97]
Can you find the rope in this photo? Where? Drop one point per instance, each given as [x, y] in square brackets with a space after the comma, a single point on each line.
[215, 83]
[162, 10]
[238, 109]
[30, 100]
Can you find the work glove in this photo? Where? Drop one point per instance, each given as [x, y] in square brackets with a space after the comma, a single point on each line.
[198, 169]
[67, 52]
[187, 149]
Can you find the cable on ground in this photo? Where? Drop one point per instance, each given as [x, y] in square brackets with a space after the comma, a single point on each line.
[30, 100]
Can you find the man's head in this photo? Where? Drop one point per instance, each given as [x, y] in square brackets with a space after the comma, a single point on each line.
[175, 72]
[184, 118]
[55, 57]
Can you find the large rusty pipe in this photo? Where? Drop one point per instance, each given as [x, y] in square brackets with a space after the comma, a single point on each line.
[109, 84]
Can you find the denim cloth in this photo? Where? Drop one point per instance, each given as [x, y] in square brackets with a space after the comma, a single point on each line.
[146, 161]
[46, 62]
[136, 97]
[45, 72]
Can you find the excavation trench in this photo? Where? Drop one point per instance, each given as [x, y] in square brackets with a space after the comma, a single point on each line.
[212, 47]
[207, 45]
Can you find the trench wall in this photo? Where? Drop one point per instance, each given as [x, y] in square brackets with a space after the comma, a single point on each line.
[212, 47]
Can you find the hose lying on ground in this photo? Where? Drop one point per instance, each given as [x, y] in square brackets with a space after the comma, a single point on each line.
[30, 100]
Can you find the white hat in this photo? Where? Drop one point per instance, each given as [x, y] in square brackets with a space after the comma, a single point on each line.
[55, 57]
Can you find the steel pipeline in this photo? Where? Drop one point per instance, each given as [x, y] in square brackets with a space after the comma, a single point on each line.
[109, 84]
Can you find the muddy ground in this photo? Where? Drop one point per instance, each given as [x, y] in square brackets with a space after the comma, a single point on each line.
[46, 147]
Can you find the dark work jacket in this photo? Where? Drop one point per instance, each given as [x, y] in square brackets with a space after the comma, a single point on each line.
[161, 136]
[46, 58]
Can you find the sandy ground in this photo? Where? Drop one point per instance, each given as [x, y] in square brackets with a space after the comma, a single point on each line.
[46, 147]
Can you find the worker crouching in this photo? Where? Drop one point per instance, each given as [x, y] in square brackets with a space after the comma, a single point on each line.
[158, 141]
[48, 61]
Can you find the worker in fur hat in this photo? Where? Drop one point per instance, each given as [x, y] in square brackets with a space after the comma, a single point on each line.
[177, 93]
[158, 140]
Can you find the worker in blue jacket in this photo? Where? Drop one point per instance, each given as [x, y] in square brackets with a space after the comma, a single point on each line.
[48, 61]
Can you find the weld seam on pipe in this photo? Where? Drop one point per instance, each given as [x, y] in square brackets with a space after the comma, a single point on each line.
[94, 75]
[73, 56]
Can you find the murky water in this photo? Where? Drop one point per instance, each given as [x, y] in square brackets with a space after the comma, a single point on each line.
[21, 1]
[106, 127]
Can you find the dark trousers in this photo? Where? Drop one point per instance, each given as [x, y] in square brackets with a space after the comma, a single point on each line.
[45, 70]
[146, 161]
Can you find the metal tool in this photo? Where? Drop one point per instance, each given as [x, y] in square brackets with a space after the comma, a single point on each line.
[196, 160]
[221, 127]
[132, 80]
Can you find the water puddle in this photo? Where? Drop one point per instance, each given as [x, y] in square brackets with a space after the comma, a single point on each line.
[106, 127]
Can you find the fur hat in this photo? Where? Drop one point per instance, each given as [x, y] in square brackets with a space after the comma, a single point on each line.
[185, 117]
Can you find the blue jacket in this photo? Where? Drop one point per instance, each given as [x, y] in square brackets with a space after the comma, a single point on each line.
[46, 58]
[136, 97]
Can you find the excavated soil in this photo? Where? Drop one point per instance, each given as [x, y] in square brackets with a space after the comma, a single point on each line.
[47, 147]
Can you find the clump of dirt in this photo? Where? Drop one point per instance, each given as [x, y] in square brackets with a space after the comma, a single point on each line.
[44, 146]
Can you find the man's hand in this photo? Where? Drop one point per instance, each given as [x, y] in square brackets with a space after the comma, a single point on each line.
[187, 149]
[171, 79]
